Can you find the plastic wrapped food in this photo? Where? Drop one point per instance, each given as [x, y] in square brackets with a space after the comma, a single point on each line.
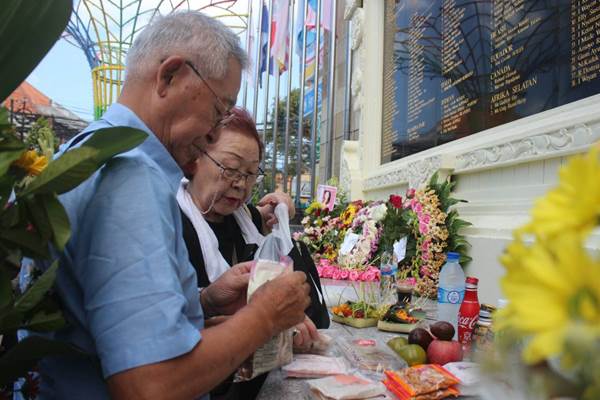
[315, 366]
[271, 261]
[368, 356]
[428, 381]
[345, 387]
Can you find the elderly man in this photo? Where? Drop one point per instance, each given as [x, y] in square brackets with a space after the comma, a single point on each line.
[125, 281]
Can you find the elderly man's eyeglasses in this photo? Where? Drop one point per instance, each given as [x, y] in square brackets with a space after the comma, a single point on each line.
[223, 112]
[234, 175]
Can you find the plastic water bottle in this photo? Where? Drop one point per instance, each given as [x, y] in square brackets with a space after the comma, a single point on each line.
[451, 291]
[388, 270]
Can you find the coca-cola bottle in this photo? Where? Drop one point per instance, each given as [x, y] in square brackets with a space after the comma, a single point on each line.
[468, 313]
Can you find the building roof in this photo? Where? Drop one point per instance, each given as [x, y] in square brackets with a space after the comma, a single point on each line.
[28, 101]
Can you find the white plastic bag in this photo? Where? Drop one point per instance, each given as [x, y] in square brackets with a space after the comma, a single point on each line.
[271, 261]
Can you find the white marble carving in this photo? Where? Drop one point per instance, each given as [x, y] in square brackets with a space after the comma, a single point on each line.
[555, 143]
[351, 6]
[357, 29]
[415, 174]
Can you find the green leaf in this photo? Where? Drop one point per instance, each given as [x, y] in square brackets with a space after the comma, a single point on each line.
[7, 182]
[21, 358]
[6, 292]
[11, 149]
[37, 291]
[64, 173]
[28, 29]
[112, 141]
[43, 321]
[59, 221]
[31, 244]
[37, 216]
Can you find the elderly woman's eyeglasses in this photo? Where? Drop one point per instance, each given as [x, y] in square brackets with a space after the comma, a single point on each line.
[223, 112]
[234, 175]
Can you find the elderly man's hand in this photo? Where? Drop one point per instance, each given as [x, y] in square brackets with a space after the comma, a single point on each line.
[227, 294]
[282, 301]
[266, 207]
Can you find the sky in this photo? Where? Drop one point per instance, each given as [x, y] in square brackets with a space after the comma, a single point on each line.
[64, 75]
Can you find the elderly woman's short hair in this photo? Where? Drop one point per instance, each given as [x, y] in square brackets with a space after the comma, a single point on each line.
[205, 41]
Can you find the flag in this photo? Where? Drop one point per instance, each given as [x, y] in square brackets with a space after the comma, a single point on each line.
[311, 19]
[279, 33]
[264, 43]
[253, 30]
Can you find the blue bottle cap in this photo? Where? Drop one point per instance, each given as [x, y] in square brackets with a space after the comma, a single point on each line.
[451, 256]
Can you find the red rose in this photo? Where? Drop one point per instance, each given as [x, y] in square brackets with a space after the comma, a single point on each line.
[396, 200]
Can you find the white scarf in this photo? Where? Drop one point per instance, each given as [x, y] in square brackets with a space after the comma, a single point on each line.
[214, 263]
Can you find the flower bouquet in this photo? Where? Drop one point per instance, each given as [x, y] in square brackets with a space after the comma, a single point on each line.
[552, 284]
[431, 229]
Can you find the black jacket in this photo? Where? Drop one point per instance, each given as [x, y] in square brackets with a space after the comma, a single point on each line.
[229, 234]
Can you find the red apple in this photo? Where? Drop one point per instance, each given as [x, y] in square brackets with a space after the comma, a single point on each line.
[444, 351]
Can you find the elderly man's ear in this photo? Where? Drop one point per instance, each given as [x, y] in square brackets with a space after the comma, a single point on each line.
[167, 73]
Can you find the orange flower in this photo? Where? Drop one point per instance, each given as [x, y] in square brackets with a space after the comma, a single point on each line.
[31, 162]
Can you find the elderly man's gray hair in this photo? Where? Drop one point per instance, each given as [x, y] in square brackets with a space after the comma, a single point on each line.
[205, 41]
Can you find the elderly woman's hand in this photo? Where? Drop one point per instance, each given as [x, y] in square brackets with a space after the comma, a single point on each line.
[305, 334]
[266, 207]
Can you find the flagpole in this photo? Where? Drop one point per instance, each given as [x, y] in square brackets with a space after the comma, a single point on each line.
[347, 99]
[268, 71]
[286, 146]
[275, 129]
[258, 62]
[315, 119]
[248, 50]
[331, 93]
[300, 134]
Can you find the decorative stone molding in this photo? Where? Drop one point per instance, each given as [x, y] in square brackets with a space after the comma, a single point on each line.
[356, 88]
[345, 176]
[351, 6]
[357, 29]
[554, 144]
[414, 173]
[350, 169]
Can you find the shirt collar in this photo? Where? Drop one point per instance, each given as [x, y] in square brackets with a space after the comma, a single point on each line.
[121, 115]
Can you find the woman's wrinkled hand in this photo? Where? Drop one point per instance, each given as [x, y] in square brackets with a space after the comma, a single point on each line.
[266, 207]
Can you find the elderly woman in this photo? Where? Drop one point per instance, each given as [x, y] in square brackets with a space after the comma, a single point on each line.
[220, 230]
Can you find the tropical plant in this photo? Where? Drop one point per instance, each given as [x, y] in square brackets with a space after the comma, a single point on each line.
[33, 223]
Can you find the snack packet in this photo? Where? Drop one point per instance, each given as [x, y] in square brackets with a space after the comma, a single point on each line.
[368, 356]
[315, 366]
[345, 387]
[271, 261]
[427, 381]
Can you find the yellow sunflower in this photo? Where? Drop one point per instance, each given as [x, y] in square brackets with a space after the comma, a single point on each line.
[31, 162]
[553, 288]
[575, 203]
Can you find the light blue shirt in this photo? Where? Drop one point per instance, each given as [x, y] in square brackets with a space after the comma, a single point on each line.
[125, 281]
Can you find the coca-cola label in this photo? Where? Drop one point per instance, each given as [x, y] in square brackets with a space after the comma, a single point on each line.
[465, 327]
[467, 322]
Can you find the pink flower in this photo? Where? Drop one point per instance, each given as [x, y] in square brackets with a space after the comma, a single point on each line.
[425, 245]
[417, 208]
[344, 274]
[423, 229]
[425, 219]
[426, 256]
[371, 276]
[410, 193]
[354, 275]
[320, 270]
[337, 274]
[424, 270]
